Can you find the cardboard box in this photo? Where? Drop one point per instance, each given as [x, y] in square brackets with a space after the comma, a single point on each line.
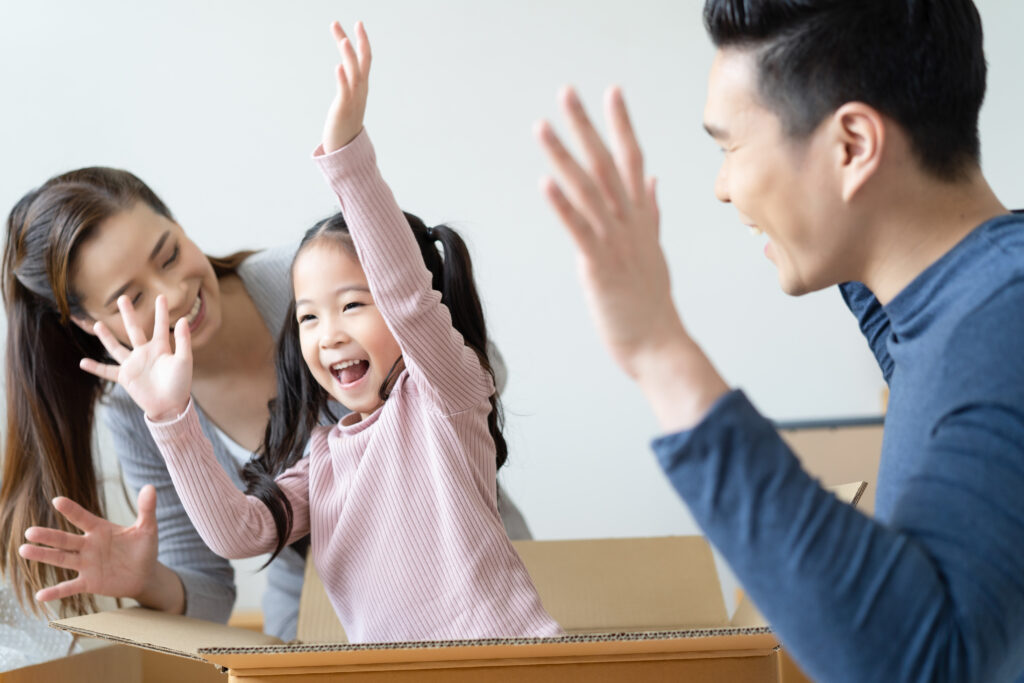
[838, 451]
[634, 608]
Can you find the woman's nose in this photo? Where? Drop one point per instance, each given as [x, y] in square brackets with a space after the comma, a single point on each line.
[178, 300]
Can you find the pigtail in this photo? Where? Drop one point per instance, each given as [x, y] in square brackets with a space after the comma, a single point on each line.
[452, 271]
[50, 413]
[294, 412]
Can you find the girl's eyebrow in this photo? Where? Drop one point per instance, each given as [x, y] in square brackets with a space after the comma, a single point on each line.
[339, 290]
[152, 255]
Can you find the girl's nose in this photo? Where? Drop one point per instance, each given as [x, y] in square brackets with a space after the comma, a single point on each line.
[334, 333]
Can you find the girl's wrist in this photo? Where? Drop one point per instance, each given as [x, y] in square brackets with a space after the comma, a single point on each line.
[167, 415]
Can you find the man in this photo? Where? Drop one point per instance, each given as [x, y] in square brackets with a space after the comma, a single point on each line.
[849, 131]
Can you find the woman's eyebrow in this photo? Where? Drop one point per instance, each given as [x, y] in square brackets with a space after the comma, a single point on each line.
[152, 255]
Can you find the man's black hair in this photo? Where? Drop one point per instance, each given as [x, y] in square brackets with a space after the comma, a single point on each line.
[919, 62]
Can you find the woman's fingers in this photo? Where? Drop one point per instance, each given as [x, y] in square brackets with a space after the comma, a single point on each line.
[183, 342]
[115, 348]
[52, 556]
[76, 514]
[602, 166]
[160, 316]
[136, 335]
[146, 505]
[101, 370]
[62, 590]
[55, 538]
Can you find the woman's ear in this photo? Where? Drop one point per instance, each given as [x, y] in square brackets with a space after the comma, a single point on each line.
[861, 133]
[84, 322]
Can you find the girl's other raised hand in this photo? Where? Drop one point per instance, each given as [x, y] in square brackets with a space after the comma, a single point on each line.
[345, 116]
[157, 379]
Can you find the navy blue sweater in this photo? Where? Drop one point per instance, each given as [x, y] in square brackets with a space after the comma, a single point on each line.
[932, 588]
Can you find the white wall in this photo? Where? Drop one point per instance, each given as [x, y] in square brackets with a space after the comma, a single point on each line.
[217, 105]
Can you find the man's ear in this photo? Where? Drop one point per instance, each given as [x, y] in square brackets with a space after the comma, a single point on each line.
[860, 131]
[84, 322]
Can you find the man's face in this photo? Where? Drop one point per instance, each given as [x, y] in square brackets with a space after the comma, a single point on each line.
[783, 188]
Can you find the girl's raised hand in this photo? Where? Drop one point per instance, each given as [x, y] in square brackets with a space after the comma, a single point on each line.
[345, 116]
[158, 380]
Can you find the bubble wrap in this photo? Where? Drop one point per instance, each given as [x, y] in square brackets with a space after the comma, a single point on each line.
[26, 639]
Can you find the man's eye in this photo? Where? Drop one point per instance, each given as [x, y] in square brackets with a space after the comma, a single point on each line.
[173, 258]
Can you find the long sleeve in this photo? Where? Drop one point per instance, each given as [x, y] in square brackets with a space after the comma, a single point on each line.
[935, 595]
[208, 579]
[218, 510]
[434, 352]
[873, 321]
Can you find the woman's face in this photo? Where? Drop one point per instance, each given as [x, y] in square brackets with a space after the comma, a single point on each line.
[140, 254]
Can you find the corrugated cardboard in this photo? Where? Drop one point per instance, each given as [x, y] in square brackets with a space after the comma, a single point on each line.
[647, 609]
[838, 451]
[99, 665]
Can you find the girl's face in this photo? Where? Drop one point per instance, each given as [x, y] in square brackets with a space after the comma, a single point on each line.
[345, 341]
[141, 254]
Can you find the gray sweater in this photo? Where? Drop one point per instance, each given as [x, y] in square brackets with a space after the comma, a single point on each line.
[208, 579]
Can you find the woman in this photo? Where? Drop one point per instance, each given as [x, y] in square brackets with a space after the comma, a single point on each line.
[73, 246]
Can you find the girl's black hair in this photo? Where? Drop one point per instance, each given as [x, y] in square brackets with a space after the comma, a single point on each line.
[301, 402]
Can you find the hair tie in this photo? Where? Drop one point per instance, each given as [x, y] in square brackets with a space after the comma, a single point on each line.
[431, 234]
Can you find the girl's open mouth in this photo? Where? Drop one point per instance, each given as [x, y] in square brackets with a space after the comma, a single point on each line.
[350, 372]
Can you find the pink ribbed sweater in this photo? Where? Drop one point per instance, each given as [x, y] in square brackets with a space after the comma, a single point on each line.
[401, 507]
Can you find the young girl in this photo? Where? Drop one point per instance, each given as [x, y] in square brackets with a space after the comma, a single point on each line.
[399, 496]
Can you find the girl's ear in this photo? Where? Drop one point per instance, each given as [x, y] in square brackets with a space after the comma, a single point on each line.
[85, 323]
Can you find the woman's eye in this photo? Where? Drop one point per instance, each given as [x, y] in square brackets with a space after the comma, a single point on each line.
[136, 299]
[173, 258]
[350, 305]
[306, 317]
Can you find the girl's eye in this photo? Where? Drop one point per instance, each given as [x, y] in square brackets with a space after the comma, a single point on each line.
[173, 258]
[350, 305]
[306, 317]
[136, 299]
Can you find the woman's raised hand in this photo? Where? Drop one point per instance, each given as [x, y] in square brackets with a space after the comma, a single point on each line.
[110, 560]
[345, 116]
[157, 379]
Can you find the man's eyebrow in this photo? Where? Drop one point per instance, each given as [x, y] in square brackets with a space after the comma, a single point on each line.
[152, 255]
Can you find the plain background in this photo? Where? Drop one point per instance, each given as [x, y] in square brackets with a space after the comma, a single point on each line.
[218, 105]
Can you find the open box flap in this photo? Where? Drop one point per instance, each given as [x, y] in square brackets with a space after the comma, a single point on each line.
[602, 585]
[627, 584]
[162, 632]
[728, 641]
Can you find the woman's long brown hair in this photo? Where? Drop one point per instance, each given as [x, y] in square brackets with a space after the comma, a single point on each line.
[48, 446]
